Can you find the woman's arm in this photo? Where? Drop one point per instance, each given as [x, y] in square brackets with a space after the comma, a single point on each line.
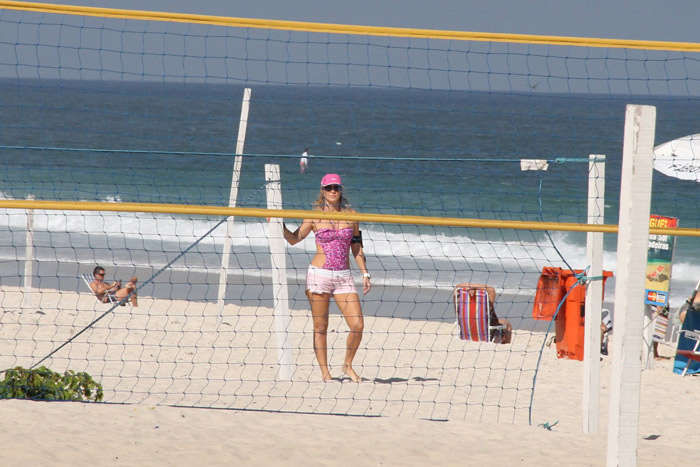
[102, 288]
[358, 253]
[299, 234]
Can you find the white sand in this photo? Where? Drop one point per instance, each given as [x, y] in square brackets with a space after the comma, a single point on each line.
[61, 433]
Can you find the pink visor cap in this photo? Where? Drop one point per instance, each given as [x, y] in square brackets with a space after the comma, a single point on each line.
[331, 179]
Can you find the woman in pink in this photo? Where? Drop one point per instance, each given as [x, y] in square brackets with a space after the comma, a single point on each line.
[329, 273]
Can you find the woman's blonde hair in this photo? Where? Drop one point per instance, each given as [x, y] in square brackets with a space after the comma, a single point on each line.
[321, 202]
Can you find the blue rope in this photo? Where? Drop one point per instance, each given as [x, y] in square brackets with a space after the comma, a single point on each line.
[551, 240]
[581, 279]
[559, 160]
[539, 359]
[547, 425]
[72, 338]
[125, 299]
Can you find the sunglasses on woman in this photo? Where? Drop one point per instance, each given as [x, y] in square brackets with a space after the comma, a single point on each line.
[332, 187]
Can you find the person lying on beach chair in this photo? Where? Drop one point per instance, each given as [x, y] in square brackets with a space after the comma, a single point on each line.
[506, 334]
[114, 292]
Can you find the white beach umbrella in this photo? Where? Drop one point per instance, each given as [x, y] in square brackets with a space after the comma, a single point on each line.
[679, 158]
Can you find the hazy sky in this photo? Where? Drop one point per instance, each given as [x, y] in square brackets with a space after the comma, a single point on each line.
[620, 19]
[84, 49]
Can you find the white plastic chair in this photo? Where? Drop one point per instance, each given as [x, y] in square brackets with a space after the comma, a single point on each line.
[88, 278]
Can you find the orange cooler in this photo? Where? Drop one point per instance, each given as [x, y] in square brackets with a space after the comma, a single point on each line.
[570, 322]
[550, 291]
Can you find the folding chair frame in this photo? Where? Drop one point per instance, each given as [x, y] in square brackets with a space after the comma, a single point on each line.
[88, 278]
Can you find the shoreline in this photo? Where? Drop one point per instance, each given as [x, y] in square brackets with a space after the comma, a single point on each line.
[400, 302]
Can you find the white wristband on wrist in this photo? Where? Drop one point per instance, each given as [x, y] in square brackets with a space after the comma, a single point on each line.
[367, 275]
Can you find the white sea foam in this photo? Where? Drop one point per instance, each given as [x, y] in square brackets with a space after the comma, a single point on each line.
[408, 258]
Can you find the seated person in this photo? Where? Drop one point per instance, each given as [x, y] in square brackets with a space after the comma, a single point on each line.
[692, 302]
[695, 299]
[507, 334]
[605, 329]
[103, 291]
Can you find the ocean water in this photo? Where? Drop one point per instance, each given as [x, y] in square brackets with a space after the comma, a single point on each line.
[411, 152]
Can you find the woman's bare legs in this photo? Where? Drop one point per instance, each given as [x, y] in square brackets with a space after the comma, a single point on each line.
[349, 305]
[319, 312]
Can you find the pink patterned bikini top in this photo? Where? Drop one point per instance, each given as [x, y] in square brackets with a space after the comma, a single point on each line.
[335, 245]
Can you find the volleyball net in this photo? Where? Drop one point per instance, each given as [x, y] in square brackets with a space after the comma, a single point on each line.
[190, 342]
[141, 113]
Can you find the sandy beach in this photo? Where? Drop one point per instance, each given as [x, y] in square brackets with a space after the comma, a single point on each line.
[416, 405]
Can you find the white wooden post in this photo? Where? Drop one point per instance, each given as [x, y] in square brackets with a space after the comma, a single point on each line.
[29, 257]
[278, 260]
[632, 244]
[233, 197]
[594, 295]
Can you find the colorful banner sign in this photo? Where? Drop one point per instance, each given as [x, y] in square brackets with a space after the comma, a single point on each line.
[659, 260]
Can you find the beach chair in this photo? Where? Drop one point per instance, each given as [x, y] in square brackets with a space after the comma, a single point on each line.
[691, 355]
[656, 274]
[88, 278]
[474, 317]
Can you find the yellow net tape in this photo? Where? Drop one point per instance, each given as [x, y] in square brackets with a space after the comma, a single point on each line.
[350, 29]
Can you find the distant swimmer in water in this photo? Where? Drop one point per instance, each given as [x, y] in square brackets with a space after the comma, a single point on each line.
[304, 161]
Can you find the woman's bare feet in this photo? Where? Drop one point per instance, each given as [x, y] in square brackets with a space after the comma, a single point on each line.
[326, 375]
[347, 369]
